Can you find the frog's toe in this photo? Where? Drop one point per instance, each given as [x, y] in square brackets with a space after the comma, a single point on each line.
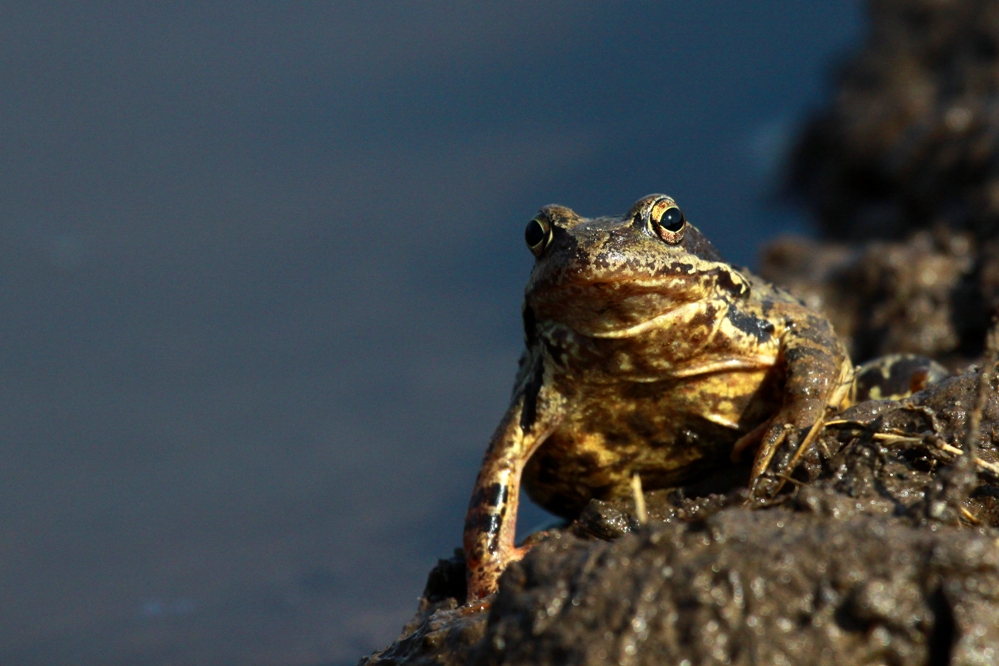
[779, 450]
[771, 441]
[783, 447]
[763, 488]
[517, 554]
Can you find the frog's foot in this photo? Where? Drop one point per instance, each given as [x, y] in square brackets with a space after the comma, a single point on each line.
[763, 480]
[781, 448]
[483, 576]
[766, 438]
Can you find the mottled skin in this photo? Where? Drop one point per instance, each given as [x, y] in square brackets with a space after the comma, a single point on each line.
[646, 354]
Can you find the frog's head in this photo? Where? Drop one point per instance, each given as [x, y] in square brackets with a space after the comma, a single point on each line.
[608, 274]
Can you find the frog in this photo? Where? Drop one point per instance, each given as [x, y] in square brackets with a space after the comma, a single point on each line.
[647, 358]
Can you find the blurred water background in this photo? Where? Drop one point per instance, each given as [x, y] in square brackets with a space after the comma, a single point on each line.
[260, 278]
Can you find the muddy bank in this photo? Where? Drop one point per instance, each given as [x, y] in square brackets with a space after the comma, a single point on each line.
[744, 587]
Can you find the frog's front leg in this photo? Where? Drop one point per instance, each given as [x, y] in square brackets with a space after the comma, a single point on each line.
[818, 376]
[491, 521]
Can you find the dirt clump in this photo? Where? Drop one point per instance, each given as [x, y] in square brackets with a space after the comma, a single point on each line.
[751, 587]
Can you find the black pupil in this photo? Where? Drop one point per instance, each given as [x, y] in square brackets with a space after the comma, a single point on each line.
[534, 233]
[672, 219]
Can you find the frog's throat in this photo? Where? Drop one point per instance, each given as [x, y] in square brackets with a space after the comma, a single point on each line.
[675, 316]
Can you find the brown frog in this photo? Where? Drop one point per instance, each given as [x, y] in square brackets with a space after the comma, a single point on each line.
[646, 355]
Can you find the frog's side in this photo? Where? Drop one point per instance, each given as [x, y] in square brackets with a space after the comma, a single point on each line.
[646, 354]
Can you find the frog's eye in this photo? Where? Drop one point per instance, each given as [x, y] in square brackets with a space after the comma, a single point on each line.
[667, 221]
[672, 219]
[537, 234]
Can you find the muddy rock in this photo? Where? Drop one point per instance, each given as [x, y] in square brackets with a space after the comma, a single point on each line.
[750, 587]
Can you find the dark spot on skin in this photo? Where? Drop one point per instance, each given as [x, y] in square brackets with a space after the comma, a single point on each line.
[761, 329]
[496, 494]
[729, 284]
[491, 495]
[589, 465]
[547, 475]
[485, 523]
[530, 411]
[705, 318]
[766, 305]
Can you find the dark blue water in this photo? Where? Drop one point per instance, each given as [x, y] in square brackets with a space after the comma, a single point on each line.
[260, 273]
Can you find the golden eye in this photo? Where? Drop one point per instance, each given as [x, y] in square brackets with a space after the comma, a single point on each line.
[667, 220]
[537, 234]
